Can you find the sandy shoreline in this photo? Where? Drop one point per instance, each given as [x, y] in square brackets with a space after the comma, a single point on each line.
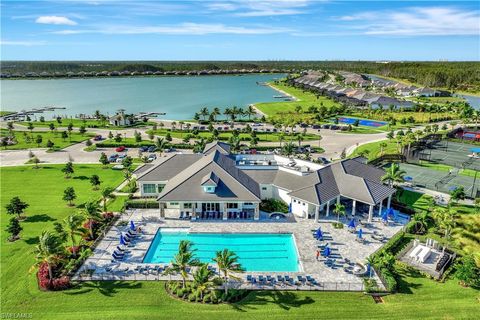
[278, 90]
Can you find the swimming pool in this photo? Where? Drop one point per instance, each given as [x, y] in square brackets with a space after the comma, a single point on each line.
[362, 122]
[256, 251]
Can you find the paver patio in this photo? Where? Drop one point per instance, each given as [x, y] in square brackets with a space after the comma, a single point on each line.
[341, 241]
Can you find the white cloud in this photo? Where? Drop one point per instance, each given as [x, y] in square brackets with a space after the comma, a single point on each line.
[22, 43]
[180, 29]
[416, 21]
[261, 8]
[55, 20]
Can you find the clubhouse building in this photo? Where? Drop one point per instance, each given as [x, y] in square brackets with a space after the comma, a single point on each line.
[218, 184]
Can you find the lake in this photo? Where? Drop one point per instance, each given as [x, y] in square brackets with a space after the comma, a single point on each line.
[179, 97]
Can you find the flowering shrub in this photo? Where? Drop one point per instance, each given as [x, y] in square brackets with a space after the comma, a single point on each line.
[44, 282]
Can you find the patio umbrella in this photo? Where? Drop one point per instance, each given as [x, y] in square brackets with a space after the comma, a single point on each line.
[326, 251]
[369, 269]
[319, 234]
[385, 215]
[351, 224]
[122, 241]
[132, 225]
[360, 233]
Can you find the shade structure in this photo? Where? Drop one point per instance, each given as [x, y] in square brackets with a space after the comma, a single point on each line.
[369, 269]
[326, 251]
[390, 212]
[360, 233]
[407, 178]
[351, 224]
[318, 234]
[122, 241]
[132, 225]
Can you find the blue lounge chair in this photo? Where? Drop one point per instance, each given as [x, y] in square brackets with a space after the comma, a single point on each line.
[289, 280]
[118, 257]
[301, 279]
[261, 279]
[280, 279]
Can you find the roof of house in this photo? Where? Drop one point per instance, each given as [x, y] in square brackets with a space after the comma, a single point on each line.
[168, 168]
[222, 147]
[233, 183]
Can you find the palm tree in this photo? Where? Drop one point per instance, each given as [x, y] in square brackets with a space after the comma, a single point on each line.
[71, 227]
[288, 149]
[339, 210]
[227, 262]
[49, 250]
[250, 111]
[420, 220]
[393, 174]
[382, 146]
[444, 218]
[215, 113]
[106, 193]
[182, 260]
[202, 279]
[199, 146]
[161, 144]
[204, 112]
[300, 139]
[93, 213]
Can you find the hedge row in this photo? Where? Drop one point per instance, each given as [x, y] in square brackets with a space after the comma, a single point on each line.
[143, 143]
[146, 204]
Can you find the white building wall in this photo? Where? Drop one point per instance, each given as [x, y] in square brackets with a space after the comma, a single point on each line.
[281, 194]
[266, 191]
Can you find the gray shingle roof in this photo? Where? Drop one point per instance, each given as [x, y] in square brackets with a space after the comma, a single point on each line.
[169, 168]
[233, 184]
[222, 147]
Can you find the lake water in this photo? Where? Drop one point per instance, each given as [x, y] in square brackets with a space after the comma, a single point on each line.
[178, 97]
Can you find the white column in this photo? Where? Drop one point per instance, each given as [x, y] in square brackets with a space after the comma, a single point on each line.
[162, 210]
[354, 207]
[380, 209]
[370, 213]
[328, 208]
[317, 213]
[224, 208]
[257, 212]
[338, 200]
[389, 201]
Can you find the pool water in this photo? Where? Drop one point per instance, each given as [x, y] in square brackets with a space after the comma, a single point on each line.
[362, 122]
[256, 252]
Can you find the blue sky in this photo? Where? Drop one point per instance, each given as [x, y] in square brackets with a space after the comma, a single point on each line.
[240, 30]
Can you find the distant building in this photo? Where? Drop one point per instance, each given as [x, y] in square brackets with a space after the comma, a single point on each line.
[121, 119]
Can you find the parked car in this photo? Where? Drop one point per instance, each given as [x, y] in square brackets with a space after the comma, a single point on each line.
[170, 150]
[303, 125]
[334, 127]
[256, 124]
[152, 149]
[120, 149]
[323, 160]
[202, 128]
[316, 126]
[326, 126]
[143, 148]
[122, 156]
[98, 137]
[219, 128]
[113, 157]
[151, 157]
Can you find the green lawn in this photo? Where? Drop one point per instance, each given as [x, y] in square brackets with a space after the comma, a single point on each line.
[116, 204]
[263, 137]
[77, 123]
[56, 138]
[374, 150]
[42, 189]
[419, 297]
[305, 100]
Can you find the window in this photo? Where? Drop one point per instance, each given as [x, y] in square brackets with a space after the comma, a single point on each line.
[187, 206]
[160, 187]
[232, 205]
[149, 188]
[173, 203]
[248, 203]
[264, 188]
[209, 189]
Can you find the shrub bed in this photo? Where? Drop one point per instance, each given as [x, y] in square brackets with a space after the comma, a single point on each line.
[142, 204]
[274, 205]
[212, 296]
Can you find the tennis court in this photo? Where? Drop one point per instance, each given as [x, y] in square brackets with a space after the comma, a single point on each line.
[453, 154]
[443, 181]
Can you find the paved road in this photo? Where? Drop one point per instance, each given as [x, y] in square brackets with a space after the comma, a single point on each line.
[333, 142]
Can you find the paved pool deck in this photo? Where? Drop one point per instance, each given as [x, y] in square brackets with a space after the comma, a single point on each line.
[341, 241]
